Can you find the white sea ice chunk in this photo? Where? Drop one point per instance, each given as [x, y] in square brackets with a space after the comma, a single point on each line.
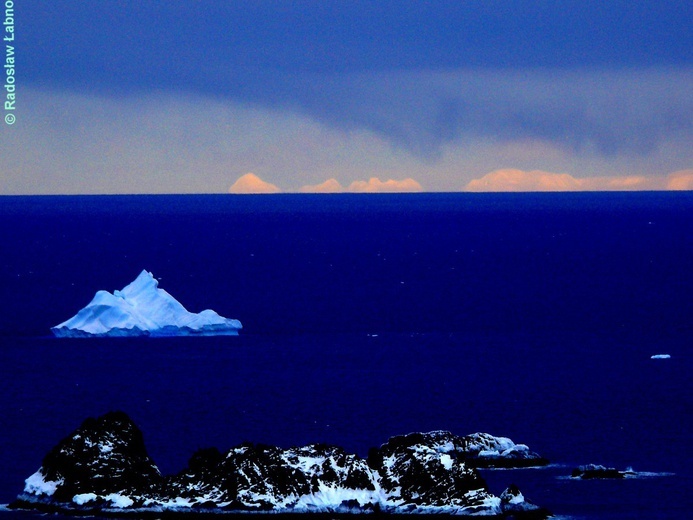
[661, 356]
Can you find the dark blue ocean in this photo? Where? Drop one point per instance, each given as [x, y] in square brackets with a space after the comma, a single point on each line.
[531, 316]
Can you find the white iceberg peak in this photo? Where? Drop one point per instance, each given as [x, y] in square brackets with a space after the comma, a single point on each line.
[142, 309]
[144, 282]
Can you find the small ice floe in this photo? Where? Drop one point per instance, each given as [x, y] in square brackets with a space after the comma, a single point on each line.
[660, 356]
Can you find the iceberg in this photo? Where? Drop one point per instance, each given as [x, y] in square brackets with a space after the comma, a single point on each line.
[142, 309]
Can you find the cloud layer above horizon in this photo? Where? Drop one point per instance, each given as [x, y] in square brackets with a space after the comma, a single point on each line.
[509, 180]
[327, 103]
[506, 180]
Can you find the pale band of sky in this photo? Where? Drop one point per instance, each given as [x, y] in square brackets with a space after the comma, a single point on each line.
[465, 131]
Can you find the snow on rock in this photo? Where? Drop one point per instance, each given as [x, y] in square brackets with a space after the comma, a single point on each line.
[79, 467]
[104, 467]
[592, 471]
[267, 477]
[142, 309]
[485, 450]
[83, 498]
[513, 502]
[481, 449]
[119, 501]
[423, 470]
[338, 499]
[37, 485]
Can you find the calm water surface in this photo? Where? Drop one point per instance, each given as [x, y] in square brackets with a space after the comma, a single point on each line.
[532, 317]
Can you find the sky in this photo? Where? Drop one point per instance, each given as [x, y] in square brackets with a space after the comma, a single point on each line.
[203, 96]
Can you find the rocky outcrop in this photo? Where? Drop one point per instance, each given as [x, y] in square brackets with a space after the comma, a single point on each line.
[479, 450]
[260, 477]
[423, 470]
[483, 450]
[592, 471]
[514, 504]
[103, 467]
[103, 459]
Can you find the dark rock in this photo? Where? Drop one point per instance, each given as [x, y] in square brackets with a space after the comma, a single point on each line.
[260, 476]
[515, 505]
[104, 456]
[103, 467]
[483, 450]
[418, 468]
[480, 450]
[590, 471]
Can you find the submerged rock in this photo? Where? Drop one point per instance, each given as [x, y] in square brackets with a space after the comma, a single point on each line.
[103, 467]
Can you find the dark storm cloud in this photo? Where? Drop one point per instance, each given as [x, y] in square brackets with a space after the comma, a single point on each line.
[605, 112]
[153, 41]
[612, 77]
